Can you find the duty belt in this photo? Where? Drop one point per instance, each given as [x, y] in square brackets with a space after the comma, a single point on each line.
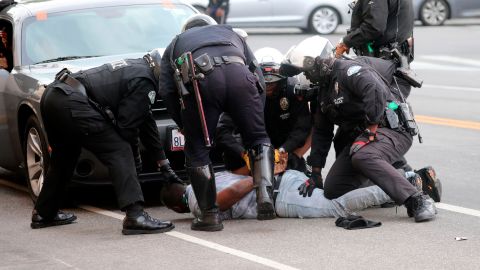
[65, 77]
[218, 60]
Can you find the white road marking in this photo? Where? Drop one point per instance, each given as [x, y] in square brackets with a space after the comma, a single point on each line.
[445, 87]
[201, 242]
[420, 65]
[452, 59]
[458, 209]
[231, 251]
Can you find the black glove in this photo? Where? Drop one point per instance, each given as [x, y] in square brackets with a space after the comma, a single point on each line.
[315, 181]
[365, 138]
[170, 174]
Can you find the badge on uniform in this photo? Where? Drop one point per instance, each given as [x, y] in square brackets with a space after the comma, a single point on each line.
[336, 88]
[151, 96]
[353, 70]
[284, 103]
[118, 64]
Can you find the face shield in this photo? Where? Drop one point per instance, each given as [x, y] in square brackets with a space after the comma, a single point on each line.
[301, 57]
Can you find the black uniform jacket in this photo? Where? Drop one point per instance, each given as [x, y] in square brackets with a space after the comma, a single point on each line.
[128, 88]
[378, 21]
[287, 118]
[356, 97]
[223, 42]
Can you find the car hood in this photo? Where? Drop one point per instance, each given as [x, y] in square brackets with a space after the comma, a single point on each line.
[45, 73]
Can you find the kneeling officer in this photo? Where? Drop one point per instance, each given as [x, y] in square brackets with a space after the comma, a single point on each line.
[105, 110]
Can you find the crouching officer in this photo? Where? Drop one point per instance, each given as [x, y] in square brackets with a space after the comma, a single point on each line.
[369, 138]
[211, 70]
[287, 117]
[104, 110]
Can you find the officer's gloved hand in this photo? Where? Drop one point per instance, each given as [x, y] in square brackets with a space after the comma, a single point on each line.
[341, 49]
[368, 136]
[315, 181]
[169, 173]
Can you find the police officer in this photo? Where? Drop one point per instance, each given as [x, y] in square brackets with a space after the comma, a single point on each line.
[105, 110]
[218, 10]
[226, 64]
[354, 96]
[287, 117]
[377, 27]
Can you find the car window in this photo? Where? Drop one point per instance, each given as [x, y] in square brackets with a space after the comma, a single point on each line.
[101, 31]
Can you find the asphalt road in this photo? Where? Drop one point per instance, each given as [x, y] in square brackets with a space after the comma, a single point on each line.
[447, 109]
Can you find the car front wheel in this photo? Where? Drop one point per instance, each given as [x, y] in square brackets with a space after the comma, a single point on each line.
[434, 12]
[324, 20]
[36, 156]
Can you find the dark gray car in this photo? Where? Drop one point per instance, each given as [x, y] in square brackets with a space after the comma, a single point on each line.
[46, 36]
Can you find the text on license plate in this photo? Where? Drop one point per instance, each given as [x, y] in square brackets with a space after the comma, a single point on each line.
[178, 141]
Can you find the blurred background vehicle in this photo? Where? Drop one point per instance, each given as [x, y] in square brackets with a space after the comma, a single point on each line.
[436, 12]
[316, 16]
[49, 35]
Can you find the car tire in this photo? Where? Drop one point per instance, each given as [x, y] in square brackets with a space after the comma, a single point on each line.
[434, 12]
[324, 20]
[36, 155]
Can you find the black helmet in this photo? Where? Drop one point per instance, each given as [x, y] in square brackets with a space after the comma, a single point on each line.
[154, 60]
[198, 20]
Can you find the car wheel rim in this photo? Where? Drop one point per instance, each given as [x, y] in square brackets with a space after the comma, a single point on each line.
[434, 12]
[324, 20]
[34, 164]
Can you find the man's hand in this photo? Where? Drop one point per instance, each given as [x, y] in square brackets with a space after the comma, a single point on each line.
[341, 49]
[368, 136]
[315, 181]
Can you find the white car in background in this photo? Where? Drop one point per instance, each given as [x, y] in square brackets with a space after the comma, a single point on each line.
[317, 16]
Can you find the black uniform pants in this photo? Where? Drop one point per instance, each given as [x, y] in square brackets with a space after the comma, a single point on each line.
[229, 88]
[71, 123]
[374, 162]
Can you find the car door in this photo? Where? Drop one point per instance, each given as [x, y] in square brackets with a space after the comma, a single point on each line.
[289, 13]
[250, 13]
[466, 8]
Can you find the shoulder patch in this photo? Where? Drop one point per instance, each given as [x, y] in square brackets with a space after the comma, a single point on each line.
[353, 70]
[151, 96]
[118, 64]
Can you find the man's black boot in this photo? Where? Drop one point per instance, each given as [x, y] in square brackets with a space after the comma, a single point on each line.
[137, 221]
[261, 164]
[421, 207]
[209, 221]
[203, 183]
[170, 174]
[60, 218]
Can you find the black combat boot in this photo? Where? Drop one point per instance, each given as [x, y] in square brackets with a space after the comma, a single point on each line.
[203, 183]
[421, 207]
[261, 164]
[170, 174]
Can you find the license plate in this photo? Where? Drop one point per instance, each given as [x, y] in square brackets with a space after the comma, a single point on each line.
[178, 140]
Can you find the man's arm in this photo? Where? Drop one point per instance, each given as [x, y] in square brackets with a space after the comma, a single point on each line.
[374, 23]
[302, 127]
[150, 138]
[133, 108]
[168, 89]
[230, 195]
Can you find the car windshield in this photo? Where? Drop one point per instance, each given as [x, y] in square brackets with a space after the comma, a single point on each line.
[100, 31]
